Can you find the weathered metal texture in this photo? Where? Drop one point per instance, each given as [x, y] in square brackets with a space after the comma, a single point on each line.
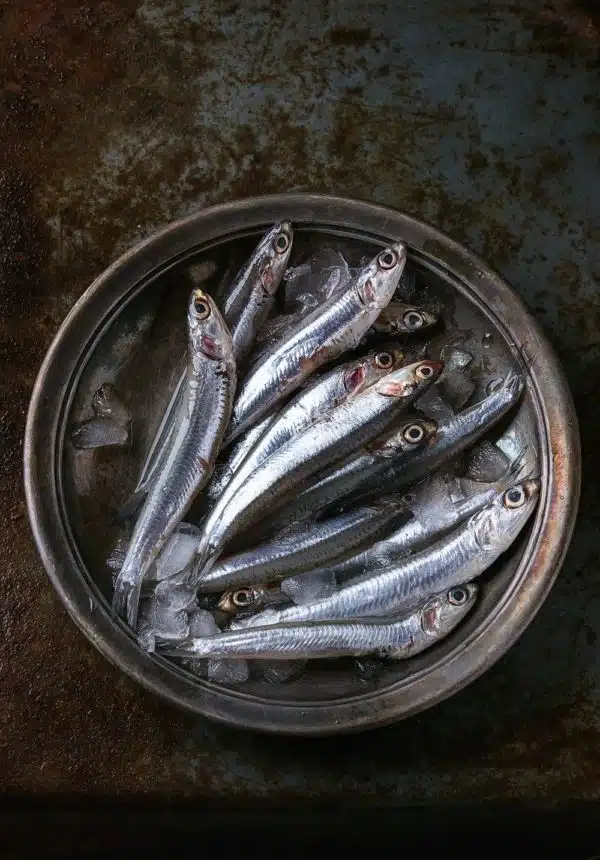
[120, 117]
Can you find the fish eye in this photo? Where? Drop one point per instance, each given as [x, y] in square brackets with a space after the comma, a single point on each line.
[387, 259]
[202, 308]
[414, 433]
[383, 360]
[413, 319]
[425, 371]
[282, 243]
[457, 596]
[514, 498]
[242, 598]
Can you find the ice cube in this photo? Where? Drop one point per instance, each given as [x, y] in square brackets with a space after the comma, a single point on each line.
[106, 403]
[178, 552]
[280, 671]
[228, 672]
[99, 433]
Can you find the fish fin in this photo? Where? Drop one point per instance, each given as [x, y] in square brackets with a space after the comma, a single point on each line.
[126, 598]
[130, 508]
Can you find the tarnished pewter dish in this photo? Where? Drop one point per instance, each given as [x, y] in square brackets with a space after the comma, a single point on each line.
[115, 365]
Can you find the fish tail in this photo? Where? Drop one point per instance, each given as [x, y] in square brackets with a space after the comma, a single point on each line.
[126, 596]
[121, 595]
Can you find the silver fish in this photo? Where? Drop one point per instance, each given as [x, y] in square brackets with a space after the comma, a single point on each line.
[210, 387]
[362, 467]
[454, 435]
[247, 305]
[353, 423]
[427, 524]
[251, 299]
[401, 318]
[223, 474]
[303, 548]
[317, 399]
[461, 556]
[337, 325]
[393, 638]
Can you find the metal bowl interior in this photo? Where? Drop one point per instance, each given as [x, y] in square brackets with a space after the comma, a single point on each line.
[128, 329]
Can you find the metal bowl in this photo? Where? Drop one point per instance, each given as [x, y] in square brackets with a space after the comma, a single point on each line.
[71, 495]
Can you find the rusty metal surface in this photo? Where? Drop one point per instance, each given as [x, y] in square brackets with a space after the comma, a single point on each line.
[120, 116]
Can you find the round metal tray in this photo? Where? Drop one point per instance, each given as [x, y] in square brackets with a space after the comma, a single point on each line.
[139, 296]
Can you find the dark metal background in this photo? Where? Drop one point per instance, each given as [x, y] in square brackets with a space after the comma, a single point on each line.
[118, 117]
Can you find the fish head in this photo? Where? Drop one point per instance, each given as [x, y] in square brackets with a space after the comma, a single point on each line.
[405, 319]
[497, 525]
[410, 435]
[209, 334]
[378, 280]
[441, 613]
[272, 256]
[365, 371]
[239, 600]
[411, 380]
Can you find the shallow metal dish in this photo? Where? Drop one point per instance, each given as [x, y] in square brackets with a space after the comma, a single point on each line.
[70, 513]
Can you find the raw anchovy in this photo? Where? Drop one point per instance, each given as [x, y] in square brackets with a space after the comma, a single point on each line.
[303, 548]
[316, 400]
[223, 475]
[210, 387]
[401, 318]
[454, 434]
[248, 302]
[425, 526]
[329, 330]
[353, 423]
[239, 600]
[251, 299]
[334, 483]
[461, 556]
[397, 639]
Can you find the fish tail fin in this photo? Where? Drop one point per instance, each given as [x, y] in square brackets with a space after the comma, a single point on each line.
[126, 596]
[206, 555]
[121, 595]
[130, 508]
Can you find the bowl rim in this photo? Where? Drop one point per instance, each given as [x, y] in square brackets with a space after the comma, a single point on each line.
[547, 546]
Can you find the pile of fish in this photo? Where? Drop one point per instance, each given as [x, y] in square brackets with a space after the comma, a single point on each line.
[325, 445]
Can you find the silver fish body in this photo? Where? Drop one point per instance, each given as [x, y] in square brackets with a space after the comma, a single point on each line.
[303, 548]
[248, 302]
[457, 433]
[210, 388]
[337, 481]
[393, 638]
[323, 335]
[317, 399]
[253, 294]
[460, 557]
[351, 424]
[239, 452]
[413, 534]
